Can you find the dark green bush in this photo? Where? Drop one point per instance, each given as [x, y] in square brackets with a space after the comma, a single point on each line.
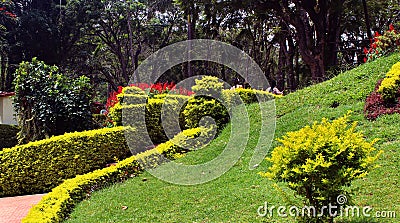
[49, 103]
[8, 136]
[39, 166]
[202, 106]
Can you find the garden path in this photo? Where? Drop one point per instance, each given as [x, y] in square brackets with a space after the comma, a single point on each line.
[13, 209]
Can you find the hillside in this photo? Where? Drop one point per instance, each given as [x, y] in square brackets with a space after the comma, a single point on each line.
[236, 195]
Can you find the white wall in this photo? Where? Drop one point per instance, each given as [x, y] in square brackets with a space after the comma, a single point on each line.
[7, 111]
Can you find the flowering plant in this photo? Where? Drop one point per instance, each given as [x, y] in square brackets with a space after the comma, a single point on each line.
[382, 44]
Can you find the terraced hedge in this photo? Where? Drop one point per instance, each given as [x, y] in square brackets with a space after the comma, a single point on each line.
[39, 166]
[57, 205]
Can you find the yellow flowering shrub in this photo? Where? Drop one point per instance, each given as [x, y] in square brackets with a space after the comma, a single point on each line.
[318, 161]
[39, 166]
[58, 204]
[390, 84]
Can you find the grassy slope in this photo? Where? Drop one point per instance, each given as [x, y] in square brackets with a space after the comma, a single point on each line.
[235, 196]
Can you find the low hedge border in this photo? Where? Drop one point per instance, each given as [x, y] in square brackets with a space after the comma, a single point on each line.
[39, 166]
[248, 96]
[58, 204]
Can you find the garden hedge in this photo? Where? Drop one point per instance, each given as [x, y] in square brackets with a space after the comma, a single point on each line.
[39, 166]
[248, 96]
[8, 136]
[57, 205]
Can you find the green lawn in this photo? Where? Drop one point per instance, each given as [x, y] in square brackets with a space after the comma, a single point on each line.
[235, 196]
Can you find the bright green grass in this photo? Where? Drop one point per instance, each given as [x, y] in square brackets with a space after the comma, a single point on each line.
[235, 196]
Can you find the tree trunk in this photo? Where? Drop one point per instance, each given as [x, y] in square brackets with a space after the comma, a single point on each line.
[367, 21]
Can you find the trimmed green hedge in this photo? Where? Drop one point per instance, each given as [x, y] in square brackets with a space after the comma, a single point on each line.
[248, 96]
[58, 204]
[153, 118]
[8, 136]
[40, 166]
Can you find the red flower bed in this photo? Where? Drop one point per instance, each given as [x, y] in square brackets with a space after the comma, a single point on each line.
[375, 106]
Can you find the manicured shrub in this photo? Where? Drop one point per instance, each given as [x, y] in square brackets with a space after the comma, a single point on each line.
[39, 166]
[57, 205]
[391, 84]
[208, 86]
[8, 136]
[248, 96]
[318, 161]
[203, 106]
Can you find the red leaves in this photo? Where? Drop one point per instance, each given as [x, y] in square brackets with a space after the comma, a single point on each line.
[375, 106]
[391, 28]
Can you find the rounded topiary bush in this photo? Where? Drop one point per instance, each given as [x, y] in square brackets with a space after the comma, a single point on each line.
[318, 161]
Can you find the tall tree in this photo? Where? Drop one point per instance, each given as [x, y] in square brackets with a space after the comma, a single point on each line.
[317, 25]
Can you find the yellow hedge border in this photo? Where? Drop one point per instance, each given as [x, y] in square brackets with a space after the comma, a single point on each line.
[39, 166]
[57, 205]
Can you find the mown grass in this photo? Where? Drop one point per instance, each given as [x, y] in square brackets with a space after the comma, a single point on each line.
[235, 196]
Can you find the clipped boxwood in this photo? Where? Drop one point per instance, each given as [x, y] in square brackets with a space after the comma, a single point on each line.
[8, 136]
[153, 119]
[204, 106]
[58, 204]
[248, 96]
[39, 166]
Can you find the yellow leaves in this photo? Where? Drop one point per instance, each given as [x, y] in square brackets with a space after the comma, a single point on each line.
[391, 83]
[56, 204]
[326, 155]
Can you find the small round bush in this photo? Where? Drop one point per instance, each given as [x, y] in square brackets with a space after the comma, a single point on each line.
[208, 86]
[318, 161]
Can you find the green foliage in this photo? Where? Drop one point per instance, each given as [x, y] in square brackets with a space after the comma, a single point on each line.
[203, 106]
[391, 84]
[39, 166]
[318, 161]
[48, 103]
[56, 205]
[133, 101]
[8, 136]
[208, 86]
[248, 96]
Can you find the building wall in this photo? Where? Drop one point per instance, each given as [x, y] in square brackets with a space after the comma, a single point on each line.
[7, 111]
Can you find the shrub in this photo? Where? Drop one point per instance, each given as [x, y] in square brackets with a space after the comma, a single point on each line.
[203, 106]
[48, 103]
[248, 96]
[375, 106]
[8, 136]
[208, 86]
[383, 44]
[319, 161]
[391, 84]
[385, 99]
[39, 166]
[57, 205]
